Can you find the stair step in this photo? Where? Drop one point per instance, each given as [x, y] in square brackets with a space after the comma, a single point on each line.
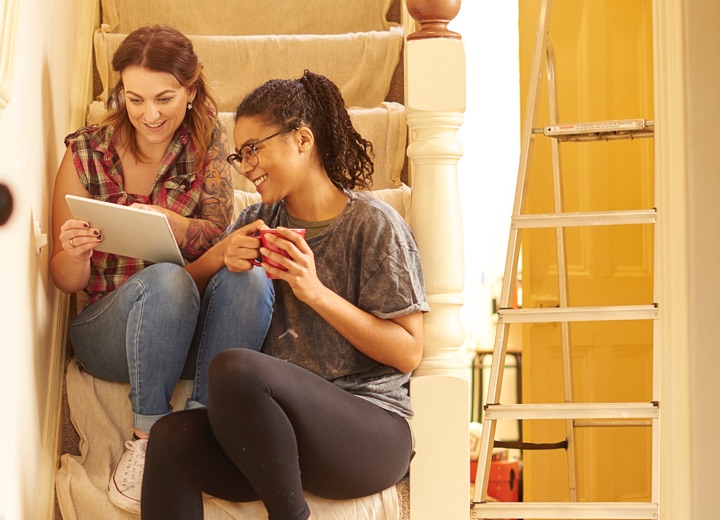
[233, 17]
[617, 411]
[567, 314]
[565, 510]
[361, 64]
[590, 218]
[599, 130]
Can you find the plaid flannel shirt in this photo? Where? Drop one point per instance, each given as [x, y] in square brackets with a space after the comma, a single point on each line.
[177, 187]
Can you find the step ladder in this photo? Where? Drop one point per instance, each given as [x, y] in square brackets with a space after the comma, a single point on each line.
[574, 414]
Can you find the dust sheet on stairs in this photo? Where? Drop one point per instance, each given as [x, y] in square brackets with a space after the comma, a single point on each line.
[100, 411]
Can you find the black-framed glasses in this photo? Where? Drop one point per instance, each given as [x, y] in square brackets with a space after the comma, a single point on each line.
[249, 153]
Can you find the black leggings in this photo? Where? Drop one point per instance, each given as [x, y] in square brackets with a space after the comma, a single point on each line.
[271, 430]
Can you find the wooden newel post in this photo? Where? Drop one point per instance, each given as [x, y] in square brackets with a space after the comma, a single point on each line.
[435, 103]
[432, 17]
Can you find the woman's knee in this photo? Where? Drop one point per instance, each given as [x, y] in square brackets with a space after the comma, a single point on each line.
[230, 364]
[170, 279]
[161, 284]
[252, 285]
[238, 369]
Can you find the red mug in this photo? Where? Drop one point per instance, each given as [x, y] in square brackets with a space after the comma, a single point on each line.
[272, 247]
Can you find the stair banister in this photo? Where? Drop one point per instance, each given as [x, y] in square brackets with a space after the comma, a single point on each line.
[432, 18]
[435, 102]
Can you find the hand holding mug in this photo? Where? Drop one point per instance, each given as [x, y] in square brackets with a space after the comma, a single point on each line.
[240, 248]
[274, 248]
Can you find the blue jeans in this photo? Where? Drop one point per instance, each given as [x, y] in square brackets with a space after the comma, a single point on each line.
[155, 329]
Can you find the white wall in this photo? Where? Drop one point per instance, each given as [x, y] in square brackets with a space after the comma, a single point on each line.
[490, 136]
[687, 114]
[703, 128]
[32, 128]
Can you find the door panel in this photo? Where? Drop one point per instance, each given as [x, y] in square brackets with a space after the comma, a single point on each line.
[604, 71]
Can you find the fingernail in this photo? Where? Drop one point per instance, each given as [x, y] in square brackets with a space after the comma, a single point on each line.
[100, 237]
[96, 233]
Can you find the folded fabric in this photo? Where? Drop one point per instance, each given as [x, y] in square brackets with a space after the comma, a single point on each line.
[100, 412]
[243, 17]
[361, 64]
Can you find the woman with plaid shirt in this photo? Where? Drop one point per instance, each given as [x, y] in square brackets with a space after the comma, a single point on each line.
[161, 147]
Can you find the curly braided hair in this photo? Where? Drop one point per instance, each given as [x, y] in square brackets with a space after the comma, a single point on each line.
[316, 102]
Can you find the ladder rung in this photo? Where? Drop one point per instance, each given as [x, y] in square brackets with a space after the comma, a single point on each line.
[533, 446]
[571, 510]
[566, 314]
[599, 130]
[619, 411]
[594, 127]
[610, 136]
[597, 218]
[600, 424]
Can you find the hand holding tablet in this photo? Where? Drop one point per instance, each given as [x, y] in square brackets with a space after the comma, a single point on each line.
[128, 231]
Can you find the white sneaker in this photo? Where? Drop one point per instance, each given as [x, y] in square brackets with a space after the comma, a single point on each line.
[126, 481]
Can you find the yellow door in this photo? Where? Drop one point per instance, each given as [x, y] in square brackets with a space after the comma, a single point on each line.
[604, 71]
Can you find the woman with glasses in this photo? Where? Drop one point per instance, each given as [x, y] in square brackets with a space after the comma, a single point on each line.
[323, 407]
[161, 147]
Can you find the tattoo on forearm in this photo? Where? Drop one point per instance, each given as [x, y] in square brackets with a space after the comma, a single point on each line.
[216, 201]
[201, 234]
[218, 185]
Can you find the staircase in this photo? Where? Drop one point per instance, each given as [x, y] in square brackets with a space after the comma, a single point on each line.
[352, 43]
[359, 44]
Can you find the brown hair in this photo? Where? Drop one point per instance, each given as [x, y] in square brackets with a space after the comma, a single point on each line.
[161, 48]
[316, 102]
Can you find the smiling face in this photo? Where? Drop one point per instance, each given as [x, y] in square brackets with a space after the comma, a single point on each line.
[280, 159]
[156, 105]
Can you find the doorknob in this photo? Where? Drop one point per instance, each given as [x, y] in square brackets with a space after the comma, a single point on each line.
[6, 203]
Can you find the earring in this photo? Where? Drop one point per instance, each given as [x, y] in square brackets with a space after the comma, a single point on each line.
[189, 105]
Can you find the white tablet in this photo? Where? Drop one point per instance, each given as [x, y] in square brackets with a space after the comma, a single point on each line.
[127, 231]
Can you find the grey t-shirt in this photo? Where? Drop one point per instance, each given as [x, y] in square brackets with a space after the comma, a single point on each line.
[368, 256]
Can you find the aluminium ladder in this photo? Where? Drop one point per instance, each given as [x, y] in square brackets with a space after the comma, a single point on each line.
[574, 414]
